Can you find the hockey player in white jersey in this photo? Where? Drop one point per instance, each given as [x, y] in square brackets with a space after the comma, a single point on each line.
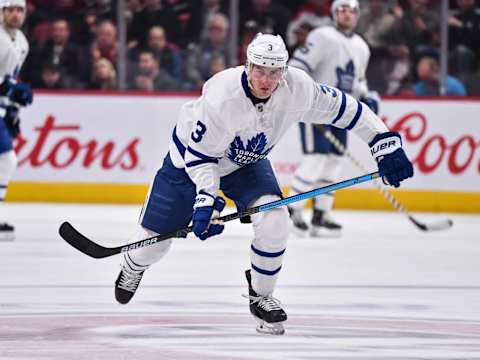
[336, 56]
[221, 142]
[13, 51]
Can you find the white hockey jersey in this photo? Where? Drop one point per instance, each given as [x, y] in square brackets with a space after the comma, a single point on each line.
[335, 59]
[222, 130]
[13, 52]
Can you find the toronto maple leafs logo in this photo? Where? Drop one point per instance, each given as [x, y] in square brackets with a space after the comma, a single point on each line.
[254, 151]
[345, 77]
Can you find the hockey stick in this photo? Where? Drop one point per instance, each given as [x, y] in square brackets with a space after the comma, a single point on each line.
[90, 248]
[438, 225]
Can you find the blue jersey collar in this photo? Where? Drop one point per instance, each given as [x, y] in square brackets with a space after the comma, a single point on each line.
[248, 92]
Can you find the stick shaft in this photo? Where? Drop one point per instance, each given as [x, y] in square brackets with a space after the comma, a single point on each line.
[89, 247]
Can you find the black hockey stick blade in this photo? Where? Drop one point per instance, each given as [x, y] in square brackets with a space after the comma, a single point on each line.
[436, 226]
[91, 248]
[82, 243]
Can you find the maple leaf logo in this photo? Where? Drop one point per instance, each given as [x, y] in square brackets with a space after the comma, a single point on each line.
[345, 77]
[257, 143]
[254, 151]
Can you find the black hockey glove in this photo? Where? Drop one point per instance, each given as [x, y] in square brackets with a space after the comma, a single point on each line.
[21, 94]
[6, 86]
[206, 208]
[393, 164]
[12, 121]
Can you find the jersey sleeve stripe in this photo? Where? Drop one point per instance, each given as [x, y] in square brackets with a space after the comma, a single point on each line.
[303, 62]
[200, 155]
[356, 117]
[341, 111]
[203, 159]
[181, 148]
[200, 162]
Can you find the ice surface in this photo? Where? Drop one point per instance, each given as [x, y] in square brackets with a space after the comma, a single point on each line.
[384, 290]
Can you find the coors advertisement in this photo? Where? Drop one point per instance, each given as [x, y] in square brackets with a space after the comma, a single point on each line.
[123, 139]
[458, 150]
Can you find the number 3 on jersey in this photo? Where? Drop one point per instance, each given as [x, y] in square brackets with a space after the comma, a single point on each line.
[198, 133]
[327, 90]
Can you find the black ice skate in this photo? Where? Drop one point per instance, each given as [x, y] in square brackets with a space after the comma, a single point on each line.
[6, 232]
[127, 283]
[300, 227]
[324, 226]
[266, 310]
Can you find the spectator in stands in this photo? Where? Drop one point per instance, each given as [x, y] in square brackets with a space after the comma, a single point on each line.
[60, 51]
[270, 17]
[312, 14]
[398, 32]
[188, 15]
[418, 27]
[105, 44]
[133, 7]
[210, 8]
[464, 31]
[154, 13]
[217, 63]
[199, 56]
[104, 76]
[428, 72]
[52, 76]
[167, 54]
[51, 9]
[207, 9]
[104, 9]
[400, 75]
[376, 24]
[84, 27]
[149, 75]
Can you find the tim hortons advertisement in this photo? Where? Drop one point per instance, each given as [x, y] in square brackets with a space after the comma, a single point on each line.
[123, 139]
[110, 139]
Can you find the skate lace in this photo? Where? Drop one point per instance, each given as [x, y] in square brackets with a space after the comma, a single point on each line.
[129, 280]
[268, 303]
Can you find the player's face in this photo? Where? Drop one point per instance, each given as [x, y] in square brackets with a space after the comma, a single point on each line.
[264, 80]
[13, 16]
[347, 17]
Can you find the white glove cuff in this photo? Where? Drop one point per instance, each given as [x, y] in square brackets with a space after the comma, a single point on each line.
[385, 146]
[204, 199]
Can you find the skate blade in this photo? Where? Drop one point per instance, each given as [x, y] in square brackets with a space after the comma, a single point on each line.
[269, 328]
[7, 236]
[299, 232]
[325, 233]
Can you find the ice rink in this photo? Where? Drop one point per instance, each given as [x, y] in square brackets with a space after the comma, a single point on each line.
[384, 290]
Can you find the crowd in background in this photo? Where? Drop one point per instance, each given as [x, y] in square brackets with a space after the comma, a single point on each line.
[176, 45]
